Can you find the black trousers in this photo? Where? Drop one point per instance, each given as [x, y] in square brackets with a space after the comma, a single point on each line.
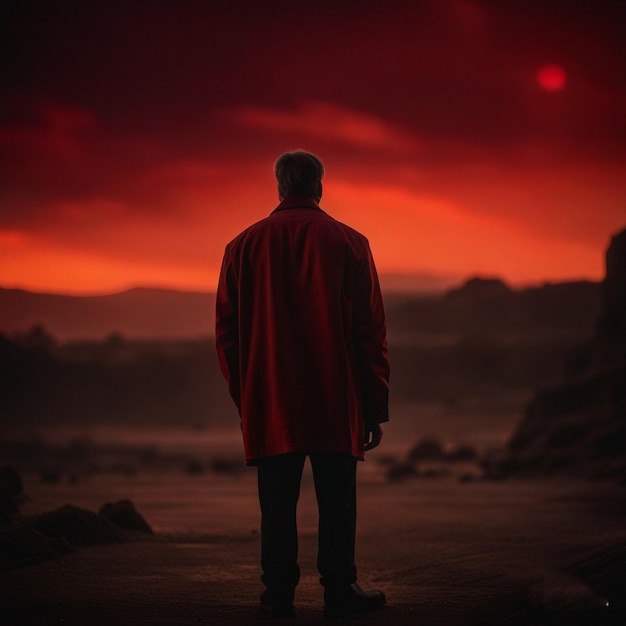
[279, 488]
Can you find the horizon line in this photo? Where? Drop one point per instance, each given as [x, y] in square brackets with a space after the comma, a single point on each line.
[452, 283]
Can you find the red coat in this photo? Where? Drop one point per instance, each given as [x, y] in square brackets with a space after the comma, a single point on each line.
[300, 333]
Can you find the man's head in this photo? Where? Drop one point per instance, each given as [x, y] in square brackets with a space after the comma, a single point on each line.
[299, 173]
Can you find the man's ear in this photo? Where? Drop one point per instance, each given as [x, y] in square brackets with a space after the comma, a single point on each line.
[319, 191]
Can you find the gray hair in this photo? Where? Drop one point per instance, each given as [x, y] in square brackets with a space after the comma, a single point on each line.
[299, 173]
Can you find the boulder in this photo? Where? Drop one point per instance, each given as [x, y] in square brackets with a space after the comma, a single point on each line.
[21, 545]
[79, 527]
[124, 515]
[400, 471]
[426, 450]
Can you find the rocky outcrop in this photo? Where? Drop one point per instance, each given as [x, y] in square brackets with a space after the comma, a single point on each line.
[79, 527]
[123, 514]
[429, 458]
[609, 346]
[579, 427]
[22, 545]
[26, 540]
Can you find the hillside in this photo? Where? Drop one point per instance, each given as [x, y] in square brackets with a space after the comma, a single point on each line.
[479, 341]
[138, 313]
[478, 308]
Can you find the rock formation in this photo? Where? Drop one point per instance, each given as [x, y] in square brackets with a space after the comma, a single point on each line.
[79, 527]
[579, 427]
[609, 348]
[22, 545]
[25, 540]
[124, 515]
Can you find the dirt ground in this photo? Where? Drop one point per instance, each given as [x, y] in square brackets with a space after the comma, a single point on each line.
[445, 553]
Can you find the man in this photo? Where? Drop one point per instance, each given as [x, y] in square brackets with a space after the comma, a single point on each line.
[301, 340]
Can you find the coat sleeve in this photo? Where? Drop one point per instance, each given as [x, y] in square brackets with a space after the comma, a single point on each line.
[370, 342]
[227, 328]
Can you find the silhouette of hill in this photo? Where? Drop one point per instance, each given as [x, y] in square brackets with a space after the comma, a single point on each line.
[477, 308]
[140, 313]
[112, 381]
[489, 308]
[478, 340]
[579, 426]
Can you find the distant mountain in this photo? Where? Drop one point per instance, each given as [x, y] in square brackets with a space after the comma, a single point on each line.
[417, 283]
[139, 313]
[490, 308]
[480, 307]
[482, 339]
[577, 426]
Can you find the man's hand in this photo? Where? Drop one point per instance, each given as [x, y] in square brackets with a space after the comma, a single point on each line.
[373, 435]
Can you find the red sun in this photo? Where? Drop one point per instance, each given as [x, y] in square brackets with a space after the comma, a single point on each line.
[552, 77]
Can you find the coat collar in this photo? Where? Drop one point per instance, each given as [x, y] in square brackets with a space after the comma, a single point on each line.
[297, 202]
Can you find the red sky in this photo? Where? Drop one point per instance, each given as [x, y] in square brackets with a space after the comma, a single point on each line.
[138, 137]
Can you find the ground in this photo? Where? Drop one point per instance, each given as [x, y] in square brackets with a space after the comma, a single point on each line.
[445, 553]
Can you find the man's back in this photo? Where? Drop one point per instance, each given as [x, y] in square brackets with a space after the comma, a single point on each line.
[300, 334]
[311, 362]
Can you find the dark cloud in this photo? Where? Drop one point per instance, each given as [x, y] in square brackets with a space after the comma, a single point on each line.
[142, 112]
[449, 68]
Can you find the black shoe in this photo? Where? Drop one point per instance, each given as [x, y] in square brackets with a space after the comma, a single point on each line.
[277, 605]
[351, 600]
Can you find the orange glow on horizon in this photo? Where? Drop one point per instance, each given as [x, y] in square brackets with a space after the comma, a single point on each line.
[168, 224]
[409, 233]
[80, 272]
[433, 233]
[461, 138]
